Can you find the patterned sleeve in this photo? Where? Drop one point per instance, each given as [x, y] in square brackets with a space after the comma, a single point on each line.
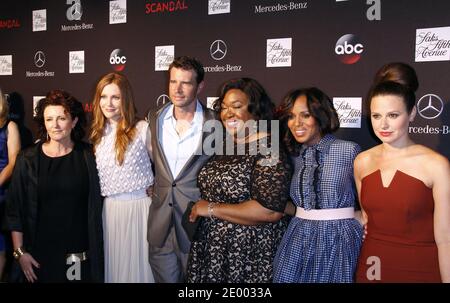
[271, 181]
[356, 149]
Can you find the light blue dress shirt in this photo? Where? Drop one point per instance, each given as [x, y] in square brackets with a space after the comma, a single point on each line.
[178, 149]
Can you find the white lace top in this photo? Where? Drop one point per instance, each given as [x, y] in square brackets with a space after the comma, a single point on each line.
[135, 173]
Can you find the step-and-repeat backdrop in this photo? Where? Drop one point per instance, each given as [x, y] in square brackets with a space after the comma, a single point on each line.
[336, 45]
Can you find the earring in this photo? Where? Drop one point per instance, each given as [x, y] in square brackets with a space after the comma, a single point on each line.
[48, 137]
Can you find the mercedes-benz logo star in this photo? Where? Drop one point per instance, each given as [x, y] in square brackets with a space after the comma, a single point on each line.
[39, 59]
[218, 50]
[430, 106]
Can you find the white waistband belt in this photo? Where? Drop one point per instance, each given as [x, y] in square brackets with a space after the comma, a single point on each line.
[325, 214]
[134, 195]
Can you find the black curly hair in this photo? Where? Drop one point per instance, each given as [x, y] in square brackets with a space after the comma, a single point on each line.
[260, 105]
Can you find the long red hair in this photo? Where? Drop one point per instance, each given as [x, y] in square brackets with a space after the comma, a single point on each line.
[126, 126]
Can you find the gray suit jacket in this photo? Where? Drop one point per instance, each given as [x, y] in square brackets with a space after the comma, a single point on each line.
[171, 196]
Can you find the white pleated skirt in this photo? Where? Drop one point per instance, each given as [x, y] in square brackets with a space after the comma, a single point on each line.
[125, 238]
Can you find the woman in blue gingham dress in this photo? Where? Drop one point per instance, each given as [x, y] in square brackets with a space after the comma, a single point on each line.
[319, 251]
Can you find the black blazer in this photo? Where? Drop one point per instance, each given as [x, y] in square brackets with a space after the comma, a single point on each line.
[22, 204]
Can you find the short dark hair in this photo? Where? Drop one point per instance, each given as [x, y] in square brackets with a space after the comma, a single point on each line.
[395, 89]
[71, 105]
[320, 107]
[260, 105]
[189, 63]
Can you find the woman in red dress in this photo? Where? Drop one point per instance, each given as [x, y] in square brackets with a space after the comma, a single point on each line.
[404, 191]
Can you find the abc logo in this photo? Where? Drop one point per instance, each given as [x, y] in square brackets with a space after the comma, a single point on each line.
[117, 59]
[349, 49]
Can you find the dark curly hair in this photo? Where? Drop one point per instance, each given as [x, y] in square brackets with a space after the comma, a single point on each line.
[320, 107]
[71, 105]
[260, 105]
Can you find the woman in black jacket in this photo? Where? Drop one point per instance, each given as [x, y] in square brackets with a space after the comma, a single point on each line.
[54, 206]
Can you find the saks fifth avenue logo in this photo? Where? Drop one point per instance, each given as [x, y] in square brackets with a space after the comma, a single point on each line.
[39, 62]
[349, 49]
[117, 11]
[76, 62]
[349, 111]
[279, 52]
[430, 107]
[9, 23]
[74, 13]
[117, 59]
[164, 55]
[433, 44]
[165, 6]
[6, 65]
[280, 7]
[219, 7]
[39, 20]
[218, 50]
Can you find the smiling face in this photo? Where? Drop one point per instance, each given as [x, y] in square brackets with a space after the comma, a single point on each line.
[302, 124]
[234, 111]
[58, 123]
[390, 118]
[111, 102]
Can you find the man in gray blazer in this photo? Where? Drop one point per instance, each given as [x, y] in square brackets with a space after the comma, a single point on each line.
[177, 140]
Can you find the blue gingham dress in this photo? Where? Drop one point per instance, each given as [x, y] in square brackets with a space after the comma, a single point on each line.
[313, 251]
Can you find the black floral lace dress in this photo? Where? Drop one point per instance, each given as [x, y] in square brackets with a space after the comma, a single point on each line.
[229, 252]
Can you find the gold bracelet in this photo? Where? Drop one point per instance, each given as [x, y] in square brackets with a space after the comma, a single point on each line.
[17, 253]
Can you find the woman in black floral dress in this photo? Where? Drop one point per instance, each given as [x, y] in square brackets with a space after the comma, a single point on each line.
[243, 194]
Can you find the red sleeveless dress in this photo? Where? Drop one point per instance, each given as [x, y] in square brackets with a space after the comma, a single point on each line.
[400, 245]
